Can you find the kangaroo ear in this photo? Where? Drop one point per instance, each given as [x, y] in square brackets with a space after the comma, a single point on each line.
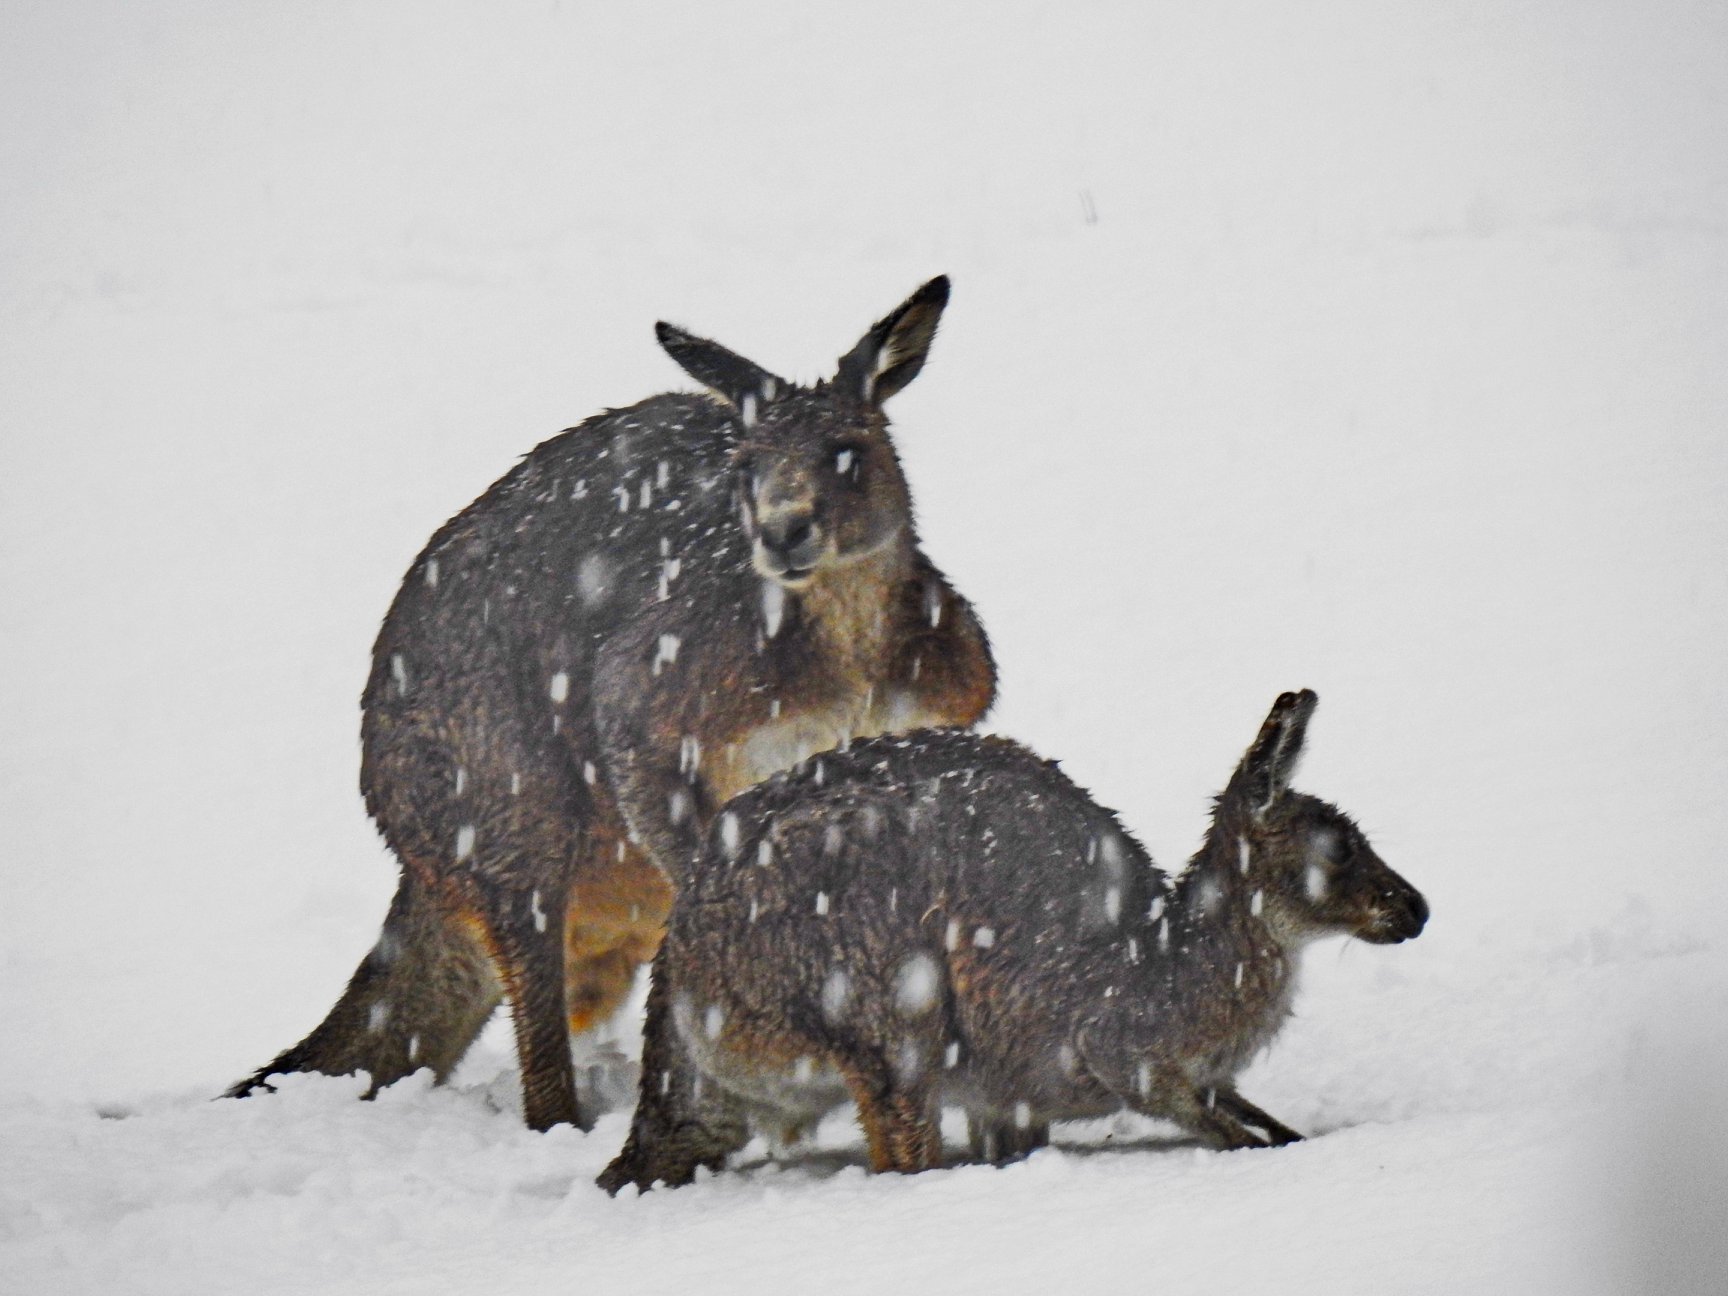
[890, 355]
[741, 383]
[1266, 770]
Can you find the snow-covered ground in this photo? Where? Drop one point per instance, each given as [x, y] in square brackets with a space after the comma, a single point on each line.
[1377, 349]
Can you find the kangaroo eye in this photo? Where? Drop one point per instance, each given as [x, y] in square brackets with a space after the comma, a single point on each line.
[1332, 847]
[846, 460]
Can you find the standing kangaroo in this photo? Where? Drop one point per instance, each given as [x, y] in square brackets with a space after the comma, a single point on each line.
[946, 917]
[650, 613]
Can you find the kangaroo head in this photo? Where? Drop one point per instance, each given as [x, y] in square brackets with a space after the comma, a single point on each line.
[818, 483]
[1318, 874]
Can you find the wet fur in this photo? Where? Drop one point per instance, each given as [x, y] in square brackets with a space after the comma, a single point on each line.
[1059, 974]
[580, 666]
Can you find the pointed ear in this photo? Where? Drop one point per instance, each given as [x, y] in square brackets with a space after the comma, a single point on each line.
[1269, 764]
[890, 355]
[740, 382]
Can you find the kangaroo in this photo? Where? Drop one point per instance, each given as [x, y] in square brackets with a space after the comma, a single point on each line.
[651, 612]
[943, 917]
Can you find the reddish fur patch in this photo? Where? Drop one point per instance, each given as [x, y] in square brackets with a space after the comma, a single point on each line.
[615, 918]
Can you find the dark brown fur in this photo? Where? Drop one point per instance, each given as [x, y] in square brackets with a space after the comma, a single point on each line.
[650, 613]
[941, 917]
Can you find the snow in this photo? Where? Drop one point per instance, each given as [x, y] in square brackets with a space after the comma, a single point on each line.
[594, 579]
[836, 993]
[1375, 349]
[916, 984]
[773, 606]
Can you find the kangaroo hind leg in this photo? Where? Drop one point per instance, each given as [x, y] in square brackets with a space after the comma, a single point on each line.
[683, 1120]
[525, 930]
[418, 998]
[900, 1113]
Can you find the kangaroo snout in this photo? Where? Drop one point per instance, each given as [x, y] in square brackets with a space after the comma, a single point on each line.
[1402, 917]
[788, 544]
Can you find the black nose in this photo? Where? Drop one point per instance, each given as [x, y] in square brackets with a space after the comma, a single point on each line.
[785, 534]
[1417, 909]
[791, 539]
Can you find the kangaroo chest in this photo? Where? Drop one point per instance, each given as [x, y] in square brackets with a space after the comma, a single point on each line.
[841, 693]
[794, 732]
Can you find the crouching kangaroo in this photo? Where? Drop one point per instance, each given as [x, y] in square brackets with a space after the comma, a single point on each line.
[943, 917]
[650, 613]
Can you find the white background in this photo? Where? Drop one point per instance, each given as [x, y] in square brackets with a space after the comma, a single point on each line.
[1374, 349]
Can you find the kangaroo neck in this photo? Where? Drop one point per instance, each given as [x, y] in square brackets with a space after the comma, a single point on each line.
[850, 612]
[1221, 949]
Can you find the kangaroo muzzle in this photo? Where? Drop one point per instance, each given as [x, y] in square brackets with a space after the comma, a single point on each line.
[788, 544]
[1403, 914]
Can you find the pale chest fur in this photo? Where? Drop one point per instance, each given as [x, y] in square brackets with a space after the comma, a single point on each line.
[797, 734]
[847, 617]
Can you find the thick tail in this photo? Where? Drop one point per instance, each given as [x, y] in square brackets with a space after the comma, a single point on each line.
[417, 999]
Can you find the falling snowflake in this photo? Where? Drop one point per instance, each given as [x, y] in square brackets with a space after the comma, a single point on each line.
[773, 607]
[916, 984]
[836, 994]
